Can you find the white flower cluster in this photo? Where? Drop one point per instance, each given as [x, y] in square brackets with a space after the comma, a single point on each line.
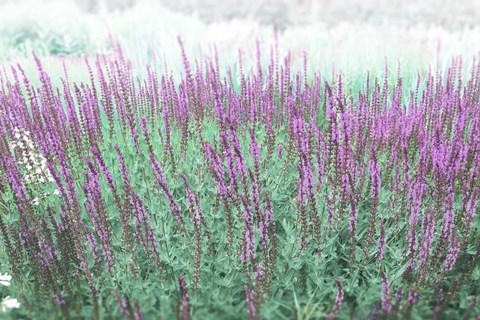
[5, 279]
[7, 302]
[31, 161]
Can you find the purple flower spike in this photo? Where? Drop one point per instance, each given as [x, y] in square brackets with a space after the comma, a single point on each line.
[185, 298]
[338, 300]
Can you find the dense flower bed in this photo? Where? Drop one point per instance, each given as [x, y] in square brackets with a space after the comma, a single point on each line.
[265, 193]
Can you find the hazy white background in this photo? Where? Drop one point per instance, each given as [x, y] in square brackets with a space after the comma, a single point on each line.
[353, 35]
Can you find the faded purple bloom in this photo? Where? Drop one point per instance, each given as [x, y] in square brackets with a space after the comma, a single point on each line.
[375, 176]
[399, 295]
[472, 303]
[59, 298]
[452, 254]
[249, 296]
[413, 297]
[471, 207]
[122, 304]
[137, 315]
[259, 273]
[185, 298]
[449, 215]
[381, 240]
[240, 161]
[248, 250]
[280, 151]
[216, 168]
[96, 210]
[416, 194]
[254, 148]
[428, 227]
[338, 300]
[375, 312]
[92, 244]
[386, 299]
[162, 182]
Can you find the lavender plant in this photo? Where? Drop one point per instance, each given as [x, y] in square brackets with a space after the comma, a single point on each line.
[274, 196]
